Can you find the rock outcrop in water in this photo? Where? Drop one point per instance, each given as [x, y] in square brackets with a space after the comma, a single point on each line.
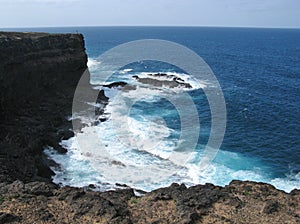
[170, 81]
[38, 76]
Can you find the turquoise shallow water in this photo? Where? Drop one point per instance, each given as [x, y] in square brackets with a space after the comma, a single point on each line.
[258, 70]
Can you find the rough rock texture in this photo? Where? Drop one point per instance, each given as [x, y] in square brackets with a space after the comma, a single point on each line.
[170, 81]
[38, 76]
[239, 202]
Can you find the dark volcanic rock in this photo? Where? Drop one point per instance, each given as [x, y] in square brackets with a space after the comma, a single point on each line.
[125, 86]
[8, 218]
[40, 188]
[115, 84]
[239, 202]
[170, 81]
[32, 64]
[40, 202]
[38, 75]
[65, 134]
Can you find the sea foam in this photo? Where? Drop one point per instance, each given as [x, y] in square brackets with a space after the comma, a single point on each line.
[134, 148]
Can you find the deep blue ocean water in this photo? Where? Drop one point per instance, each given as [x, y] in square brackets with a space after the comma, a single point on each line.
[259, 72]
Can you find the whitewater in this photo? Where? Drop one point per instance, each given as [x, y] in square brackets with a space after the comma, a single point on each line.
[135, 148]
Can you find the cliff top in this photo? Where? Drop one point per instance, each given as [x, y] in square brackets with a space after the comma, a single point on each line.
[32, 35]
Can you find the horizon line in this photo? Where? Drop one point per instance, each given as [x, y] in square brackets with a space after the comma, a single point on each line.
[182, 26]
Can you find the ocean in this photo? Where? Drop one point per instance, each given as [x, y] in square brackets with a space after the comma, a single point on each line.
[259, 74]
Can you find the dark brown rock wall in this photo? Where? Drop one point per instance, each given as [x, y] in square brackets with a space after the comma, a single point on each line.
[38, 75]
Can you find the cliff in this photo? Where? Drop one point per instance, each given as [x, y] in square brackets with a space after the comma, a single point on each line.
[32, 64]
[38, 76]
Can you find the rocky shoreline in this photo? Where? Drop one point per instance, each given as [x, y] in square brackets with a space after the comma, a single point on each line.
[38, 75]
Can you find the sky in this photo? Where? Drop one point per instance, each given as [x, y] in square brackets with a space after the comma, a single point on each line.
[228, 13]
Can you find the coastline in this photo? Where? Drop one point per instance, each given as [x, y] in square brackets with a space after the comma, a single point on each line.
[39, 73]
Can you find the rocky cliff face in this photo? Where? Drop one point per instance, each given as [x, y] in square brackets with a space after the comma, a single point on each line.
[32, 64]
[38, 76]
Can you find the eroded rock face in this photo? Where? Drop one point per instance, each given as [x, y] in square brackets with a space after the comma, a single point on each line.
[38, 75]
[33, 64]
[239, 202]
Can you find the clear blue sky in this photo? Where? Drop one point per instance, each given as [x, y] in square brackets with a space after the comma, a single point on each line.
[245, 13]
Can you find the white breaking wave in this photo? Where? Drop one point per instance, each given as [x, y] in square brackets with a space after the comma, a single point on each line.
[124, 71]
[76, 170]
[93, 64]
[196, 84]
[124, 75]
[134, 149]
[138, 150]
[287, 184]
